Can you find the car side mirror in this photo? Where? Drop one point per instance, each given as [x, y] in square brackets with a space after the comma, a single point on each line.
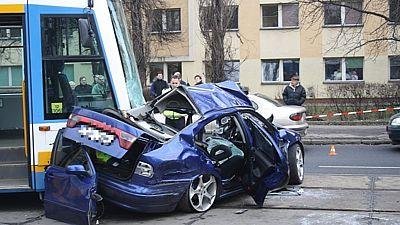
[78, 170]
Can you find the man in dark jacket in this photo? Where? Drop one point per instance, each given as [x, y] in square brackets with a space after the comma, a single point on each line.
[294, 93]
[83, 88]
[158, 85]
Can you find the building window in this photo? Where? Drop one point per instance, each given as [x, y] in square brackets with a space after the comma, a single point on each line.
[168, 20]
[173, 17]
[280, 15]
[168, 69]
[231, 70]
[343, 14]
[11, 56]
[394, 67]
[10, 76]
[279, 70]
[10, 33]
[234, 21]
[344, 69]
[394, 11]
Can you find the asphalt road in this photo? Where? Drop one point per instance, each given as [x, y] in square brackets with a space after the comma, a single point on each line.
[357, 186]
[353, 159]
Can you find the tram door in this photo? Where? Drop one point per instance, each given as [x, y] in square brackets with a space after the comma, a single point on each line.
[13, 155]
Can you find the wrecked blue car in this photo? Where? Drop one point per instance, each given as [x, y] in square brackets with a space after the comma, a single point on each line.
[139, 161]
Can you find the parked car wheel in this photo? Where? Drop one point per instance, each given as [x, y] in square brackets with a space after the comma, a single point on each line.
[200, 195]
[296, 164]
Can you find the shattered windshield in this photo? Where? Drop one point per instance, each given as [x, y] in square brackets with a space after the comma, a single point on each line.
[133, 85]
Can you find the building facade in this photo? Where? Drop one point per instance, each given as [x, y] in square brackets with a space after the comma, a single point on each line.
[274, 39]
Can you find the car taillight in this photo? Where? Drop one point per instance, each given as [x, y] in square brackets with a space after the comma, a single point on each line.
[73, 120]
[296, 116]
[126, 140]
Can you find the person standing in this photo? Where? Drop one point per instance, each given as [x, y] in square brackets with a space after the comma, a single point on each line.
[178, 74]
[158, 85]
[83, 88]
[173, 118]
[198, 79]
[294, 93]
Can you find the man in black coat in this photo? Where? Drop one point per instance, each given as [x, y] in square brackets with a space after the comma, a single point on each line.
[294, 93]
[158, 85]
[83, 88]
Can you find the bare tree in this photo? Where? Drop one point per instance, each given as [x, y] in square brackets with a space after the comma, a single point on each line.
[216, 17]
[370, 23]
[146, 26]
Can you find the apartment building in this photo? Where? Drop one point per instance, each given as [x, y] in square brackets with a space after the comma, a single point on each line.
[273, 39]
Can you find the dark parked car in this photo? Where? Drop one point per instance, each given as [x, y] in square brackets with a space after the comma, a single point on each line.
[140, 163]
[393, 129]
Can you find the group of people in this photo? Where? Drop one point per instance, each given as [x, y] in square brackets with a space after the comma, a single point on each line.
[293, 94]
[159, 84]
[99, 86]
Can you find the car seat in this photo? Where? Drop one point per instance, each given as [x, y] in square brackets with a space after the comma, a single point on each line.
[230, 158]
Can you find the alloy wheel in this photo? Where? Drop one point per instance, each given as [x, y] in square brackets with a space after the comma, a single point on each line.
[202, 192]
[299, 162]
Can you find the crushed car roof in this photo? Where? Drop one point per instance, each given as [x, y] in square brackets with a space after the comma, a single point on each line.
[209, 97]
[200, 99]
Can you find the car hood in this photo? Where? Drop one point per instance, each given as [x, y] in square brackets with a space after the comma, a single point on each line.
[198, 99]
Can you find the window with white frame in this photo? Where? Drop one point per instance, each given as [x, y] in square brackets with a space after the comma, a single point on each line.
[278, 70]
[343, 13]
[344, 69]
[280, 15]
[166, 20]
[394, 62]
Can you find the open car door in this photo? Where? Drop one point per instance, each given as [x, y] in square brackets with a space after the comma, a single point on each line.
[267, 166]
[70, 184]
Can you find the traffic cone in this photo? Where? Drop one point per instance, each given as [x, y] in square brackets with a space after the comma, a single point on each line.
[332, 151]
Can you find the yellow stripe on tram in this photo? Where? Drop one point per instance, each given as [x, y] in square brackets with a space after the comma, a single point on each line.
[43, 161]
[12, 8]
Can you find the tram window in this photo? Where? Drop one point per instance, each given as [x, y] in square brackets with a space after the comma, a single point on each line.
[11, 55]
[74, 74]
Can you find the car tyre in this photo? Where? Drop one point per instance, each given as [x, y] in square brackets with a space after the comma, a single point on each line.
[296, 164]
[201, 194]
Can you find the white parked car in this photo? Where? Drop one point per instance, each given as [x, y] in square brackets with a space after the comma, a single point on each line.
[287, 116]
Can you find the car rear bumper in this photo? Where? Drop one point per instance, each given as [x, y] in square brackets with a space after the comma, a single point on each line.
[394, 134]
[157, 198]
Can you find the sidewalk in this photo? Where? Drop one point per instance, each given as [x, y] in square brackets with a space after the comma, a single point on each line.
[341, 134]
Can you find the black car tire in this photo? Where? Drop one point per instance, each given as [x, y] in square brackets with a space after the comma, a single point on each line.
[295, 153]
[186, 204]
